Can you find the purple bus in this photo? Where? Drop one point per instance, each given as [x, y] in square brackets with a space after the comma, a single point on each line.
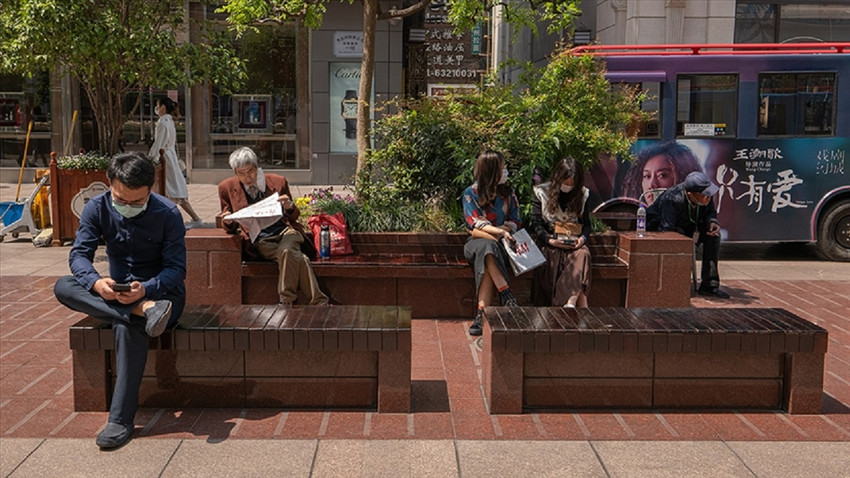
[769, 123]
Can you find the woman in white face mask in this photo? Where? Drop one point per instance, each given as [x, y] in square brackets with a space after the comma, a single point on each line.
[561, 222]
[166, 139]
[491, 210]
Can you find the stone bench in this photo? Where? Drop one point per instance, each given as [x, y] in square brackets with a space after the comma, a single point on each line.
[641, 358]
[427, 271]
[238, 356]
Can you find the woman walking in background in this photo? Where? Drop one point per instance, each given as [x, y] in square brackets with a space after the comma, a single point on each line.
[166, 139]
[491, 210]
[561, 222]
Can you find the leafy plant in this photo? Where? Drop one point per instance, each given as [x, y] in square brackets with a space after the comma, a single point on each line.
[378, 214]
[597, 225]
[428, 148]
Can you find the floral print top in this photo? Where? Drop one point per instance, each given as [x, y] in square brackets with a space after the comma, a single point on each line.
[504, 210]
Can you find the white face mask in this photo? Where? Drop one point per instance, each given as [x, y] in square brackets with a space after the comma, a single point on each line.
[504, 176]
[129, 210]
[565, 188]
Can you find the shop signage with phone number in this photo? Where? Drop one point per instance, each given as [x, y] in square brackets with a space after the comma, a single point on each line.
[449, 55]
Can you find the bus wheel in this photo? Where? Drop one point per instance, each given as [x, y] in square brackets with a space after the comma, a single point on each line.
[834, 232]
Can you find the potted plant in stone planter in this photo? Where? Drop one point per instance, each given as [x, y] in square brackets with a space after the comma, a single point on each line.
[74, 180]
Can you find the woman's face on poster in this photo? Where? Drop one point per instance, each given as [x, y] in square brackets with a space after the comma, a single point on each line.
[658, 172]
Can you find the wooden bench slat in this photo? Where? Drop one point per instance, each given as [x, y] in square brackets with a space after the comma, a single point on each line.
[197, 333]
[227, 328]
[315, 329]
[185, 323]
[330, 339]
[256, 337]
[359, 334]
[701, 324]
[300, 324]
[621, 342]
[271, 341]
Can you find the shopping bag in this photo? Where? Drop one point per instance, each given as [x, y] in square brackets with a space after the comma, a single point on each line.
[340, 243]
[524, 253]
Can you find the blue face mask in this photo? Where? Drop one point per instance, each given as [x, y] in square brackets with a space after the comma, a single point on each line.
[129, 210]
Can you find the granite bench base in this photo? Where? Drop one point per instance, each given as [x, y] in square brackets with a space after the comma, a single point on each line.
[679, 358]
[427, 271]
[237, 356]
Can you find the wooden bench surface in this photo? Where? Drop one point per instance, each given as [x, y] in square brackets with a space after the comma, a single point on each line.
[429, 255]
[269, 328]
[618, 329]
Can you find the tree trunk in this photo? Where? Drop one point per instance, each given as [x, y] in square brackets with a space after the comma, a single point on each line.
[367, 69]
[107, 106]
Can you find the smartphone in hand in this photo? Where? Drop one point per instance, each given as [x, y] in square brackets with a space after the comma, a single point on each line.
[569, 241]
[121, 287]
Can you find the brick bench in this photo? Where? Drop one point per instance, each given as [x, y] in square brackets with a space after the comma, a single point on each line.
[240, 356]
[680, 358]
[427, 271]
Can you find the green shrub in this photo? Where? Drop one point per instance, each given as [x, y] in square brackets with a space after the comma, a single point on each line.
[426, 151]
[87, 160]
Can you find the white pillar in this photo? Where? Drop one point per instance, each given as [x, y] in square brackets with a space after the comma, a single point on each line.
[674, 21]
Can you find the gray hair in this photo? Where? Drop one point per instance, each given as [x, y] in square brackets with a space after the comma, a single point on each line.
[242, 157]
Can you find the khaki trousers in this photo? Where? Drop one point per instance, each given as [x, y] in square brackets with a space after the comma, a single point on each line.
[295, 272]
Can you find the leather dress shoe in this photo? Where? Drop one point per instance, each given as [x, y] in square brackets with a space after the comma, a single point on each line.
[114, 435]
[156, 317]
[715, 292]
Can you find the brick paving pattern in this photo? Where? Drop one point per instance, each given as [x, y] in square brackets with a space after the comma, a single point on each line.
[36, 398]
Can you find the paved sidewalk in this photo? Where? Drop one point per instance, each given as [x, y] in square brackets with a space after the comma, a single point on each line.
[448, 432]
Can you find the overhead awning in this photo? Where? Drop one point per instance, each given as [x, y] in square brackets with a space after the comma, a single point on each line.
[636, 76]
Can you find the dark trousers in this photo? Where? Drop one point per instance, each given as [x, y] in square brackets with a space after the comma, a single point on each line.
[131, 341]
[710, 257]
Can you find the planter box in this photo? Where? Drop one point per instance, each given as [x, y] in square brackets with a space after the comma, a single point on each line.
[70, 189]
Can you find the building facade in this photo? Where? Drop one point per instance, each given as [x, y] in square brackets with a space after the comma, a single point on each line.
[296, 108]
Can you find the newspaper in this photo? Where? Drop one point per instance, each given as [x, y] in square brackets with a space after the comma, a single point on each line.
[259, 216]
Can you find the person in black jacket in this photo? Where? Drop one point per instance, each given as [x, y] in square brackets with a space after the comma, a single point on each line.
[687, 208]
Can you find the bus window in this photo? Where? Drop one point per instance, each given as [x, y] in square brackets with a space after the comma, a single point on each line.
[652, 105]
[796, 104]
[706, 105]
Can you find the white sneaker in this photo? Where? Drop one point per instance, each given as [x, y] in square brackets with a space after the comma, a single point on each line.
[193, 224]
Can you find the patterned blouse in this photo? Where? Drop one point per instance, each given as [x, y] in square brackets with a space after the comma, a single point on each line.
[504, 210]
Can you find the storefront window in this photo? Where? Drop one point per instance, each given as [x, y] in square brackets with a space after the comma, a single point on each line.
[24, 100]
[139, 130]
[262, 113]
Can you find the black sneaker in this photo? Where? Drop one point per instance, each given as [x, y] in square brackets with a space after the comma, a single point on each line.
[475, 328]
[114, 435]
[715, 292]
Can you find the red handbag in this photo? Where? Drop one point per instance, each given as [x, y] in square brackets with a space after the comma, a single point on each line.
[340, 243]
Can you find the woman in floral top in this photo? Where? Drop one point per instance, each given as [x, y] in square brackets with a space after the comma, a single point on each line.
[491, 210]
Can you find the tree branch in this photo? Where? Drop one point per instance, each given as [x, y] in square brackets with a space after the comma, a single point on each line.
[395, 13]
